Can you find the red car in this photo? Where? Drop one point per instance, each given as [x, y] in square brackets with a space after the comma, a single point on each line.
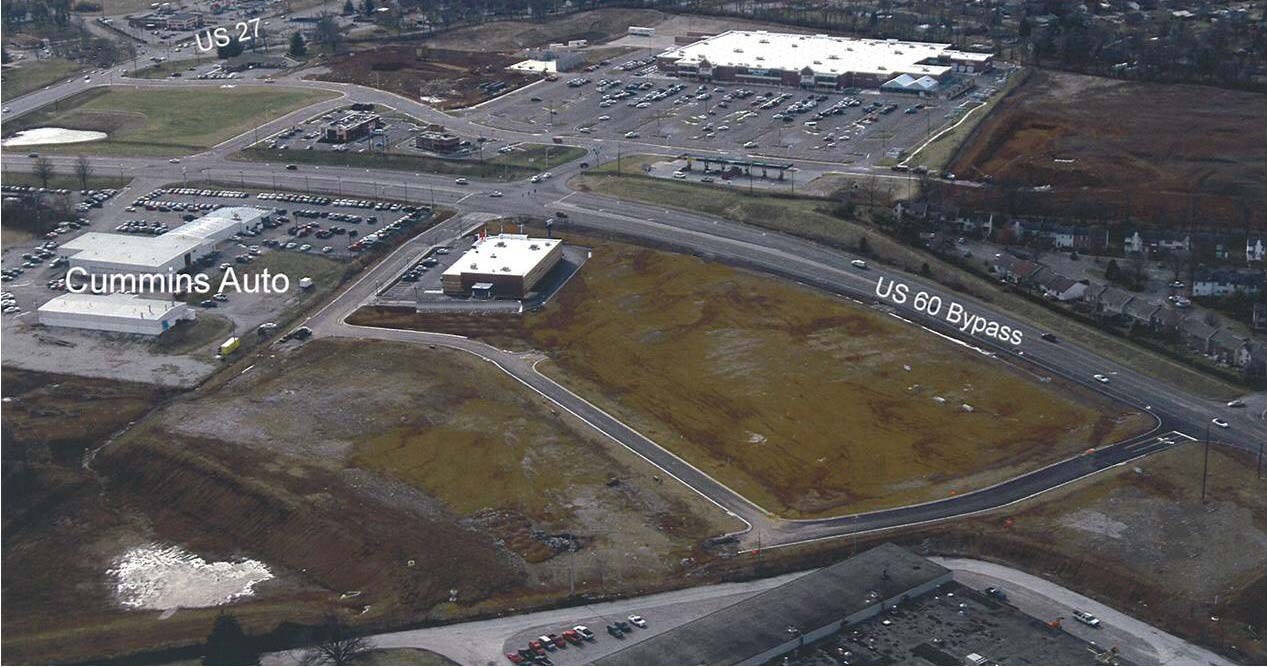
[558, 640]
[514, 658]
[537, 647]
[572, 636]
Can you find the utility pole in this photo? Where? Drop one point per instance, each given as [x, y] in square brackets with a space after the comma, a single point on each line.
[1205, 466]
[1260, 460]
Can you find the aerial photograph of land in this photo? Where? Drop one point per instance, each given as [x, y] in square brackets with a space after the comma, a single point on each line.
[380, 332]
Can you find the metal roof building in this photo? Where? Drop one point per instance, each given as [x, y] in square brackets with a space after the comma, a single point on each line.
[125, 313]
[98, 252]
[760, 628]
[223, 223]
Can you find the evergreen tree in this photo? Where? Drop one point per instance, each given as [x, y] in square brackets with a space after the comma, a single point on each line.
[298, 48]
[229, 645]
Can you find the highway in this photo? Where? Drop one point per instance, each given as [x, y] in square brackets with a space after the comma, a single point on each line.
[1179, 416]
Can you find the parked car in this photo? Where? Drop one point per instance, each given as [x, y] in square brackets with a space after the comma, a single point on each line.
[584, 632]
[638, 621]
[1087, 618]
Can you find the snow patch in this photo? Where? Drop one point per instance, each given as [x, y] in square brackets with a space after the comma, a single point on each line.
[168, 577]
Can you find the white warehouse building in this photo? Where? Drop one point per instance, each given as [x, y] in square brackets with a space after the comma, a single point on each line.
[176, 250]
[124, 313]
[101, 253]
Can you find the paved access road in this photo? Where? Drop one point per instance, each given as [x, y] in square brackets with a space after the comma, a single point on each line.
[1180, 416]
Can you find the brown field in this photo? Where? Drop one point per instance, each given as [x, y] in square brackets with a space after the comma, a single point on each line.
[435, 472]
[798, 401]
[411, 71]
[595, 26]
[1168, 154]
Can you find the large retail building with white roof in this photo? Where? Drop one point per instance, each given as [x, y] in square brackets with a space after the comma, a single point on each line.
[819, 62]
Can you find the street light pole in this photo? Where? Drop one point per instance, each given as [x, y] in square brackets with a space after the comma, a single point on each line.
[1205, 466]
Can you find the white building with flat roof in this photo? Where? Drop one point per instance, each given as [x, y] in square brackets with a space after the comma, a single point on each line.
[814, 61]
[512, 263]
[125, 313]
[223, 223]
[98, 252]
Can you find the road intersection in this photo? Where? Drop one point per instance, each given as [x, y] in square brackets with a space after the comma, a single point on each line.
[1179, 416]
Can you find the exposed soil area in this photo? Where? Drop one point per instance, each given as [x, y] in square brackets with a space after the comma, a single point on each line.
[383, 480]
[446, 78]
[594, 26]
[1122, 150]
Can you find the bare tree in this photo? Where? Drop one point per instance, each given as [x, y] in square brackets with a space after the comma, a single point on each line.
[43, 170]
[83, 171]
[338, 645]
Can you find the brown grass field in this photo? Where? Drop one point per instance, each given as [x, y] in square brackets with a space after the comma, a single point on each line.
[799, 401]
[1168, 154]
[452, 76]
[337, 463]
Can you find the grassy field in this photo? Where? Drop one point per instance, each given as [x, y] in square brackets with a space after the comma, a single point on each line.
[816, 220]
[29, 75]
[161, 122]
[514, 166]
[393, 470]
[799, 401]
[67, 181]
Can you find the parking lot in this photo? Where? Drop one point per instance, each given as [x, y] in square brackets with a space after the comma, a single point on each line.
[638, 107]
[310, 237]
[658, 619]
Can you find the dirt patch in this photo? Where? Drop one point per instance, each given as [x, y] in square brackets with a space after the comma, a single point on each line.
[595, 26]
[417, 472]
[1168, 154]
[447, 78]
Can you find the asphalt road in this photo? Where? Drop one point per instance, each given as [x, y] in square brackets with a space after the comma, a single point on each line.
[1174, 409]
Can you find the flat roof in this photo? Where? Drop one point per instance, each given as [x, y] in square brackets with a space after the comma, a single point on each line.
[757, 624]
[220, 219]
[118, 305]
[131, 249]
[758, 49]
[503, 254]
